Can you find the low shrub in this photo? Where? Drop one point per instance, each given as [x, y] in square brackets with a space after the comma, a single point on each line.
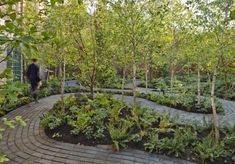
[186, 102]
[105, 118]
[206, 149]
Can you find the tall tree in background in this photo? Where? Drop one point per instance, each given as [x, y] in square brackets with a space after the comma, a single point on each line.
[215, 19]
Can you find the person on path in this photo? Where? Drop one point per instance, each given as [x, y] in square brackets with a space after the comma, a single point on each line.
[33, 75]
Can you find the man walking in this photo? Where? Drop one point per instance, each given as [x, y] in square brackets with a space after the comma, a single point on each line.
[33, 76]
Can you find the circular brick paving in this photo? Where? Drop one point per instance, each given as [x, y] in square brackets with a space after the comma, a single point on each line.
[29, 144]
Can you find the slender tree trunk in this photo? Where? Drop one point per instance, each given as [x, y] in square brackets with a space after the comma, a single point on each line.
[134, 79]
[92, 82]
[150, 74]
[21, 7]
[172, 78]
[94, 55]
[56, 73]
[61, 83]
[61, 61]
[214, 116]
[146, 76]
[198, 85]
[123, 81]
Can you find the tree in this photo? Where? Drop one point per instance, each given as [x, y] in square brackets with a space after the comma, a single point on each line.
[215, 21]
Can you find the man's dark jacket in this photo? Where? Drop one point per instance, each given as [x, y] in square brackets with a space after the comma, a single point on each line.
[33, 73]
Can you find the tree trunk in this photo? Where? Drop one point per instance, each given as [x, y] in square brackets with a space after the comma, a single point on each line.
[56, 73]
[61, 84]
[198, 85]
[92, 81]
[214, 116]
[172, 78]
[146, 77]
[134, 81]
[123, 81]
[150, 74]
[21, 7]
[93, 77]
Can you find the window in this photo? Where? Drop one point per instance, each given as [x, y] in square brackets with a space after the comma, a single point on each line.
[16, 64]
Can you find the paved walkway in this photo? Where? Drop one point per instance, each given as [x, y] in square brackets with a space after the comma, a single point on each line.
[29, 144]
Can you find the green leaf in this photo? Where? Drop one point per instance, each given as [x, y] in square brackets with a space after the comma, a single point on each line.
[33, 29]
[13, 16]
[26, 39]
[3, 159]
[9, 124]
[232, 14]
[20, 120]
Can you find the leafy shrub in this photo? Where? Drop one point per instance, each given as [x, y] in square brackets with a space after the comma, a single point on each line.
[206, 105]
[89, 118]
[105, 116]
[11, 94]
[153, 142]
[208, 150]
[178, 145]
[52, 121]
[186, 102]
[120, 133]
[44, 92]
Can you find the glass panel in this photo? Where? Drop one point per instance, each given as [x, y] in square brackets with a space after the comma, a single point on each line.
[16, 63]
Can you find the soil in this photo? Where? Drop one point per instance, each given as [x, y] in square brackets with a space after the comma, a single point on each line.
[125, 113]
[66, 136]
[194, 109]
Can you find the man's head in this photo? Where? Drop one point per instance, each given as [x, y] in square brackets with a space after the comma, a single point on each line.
[34, 60]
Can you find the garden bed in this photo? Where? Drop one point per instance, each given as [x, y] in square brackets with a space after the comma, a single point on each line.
[105, 120]
[185, 102]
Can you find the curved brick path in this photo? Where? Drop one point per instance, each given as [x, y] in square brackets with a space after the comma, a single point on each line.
[29, 144]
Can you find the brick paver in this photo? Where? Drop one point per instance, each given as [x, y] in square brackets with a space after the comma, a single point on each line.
[30, 145]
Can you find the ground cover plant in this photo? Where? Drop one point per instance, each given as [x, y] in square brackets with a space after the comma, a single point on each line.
[106, 120]
[185, 102]
[224, 89]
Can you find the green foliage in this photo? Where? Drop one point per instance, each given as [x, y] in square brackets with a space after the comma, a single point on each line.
[120, 133]
[208, 150]
[12, 93]
[229, 139]
[109, 79]
[159, 99]
[89, 118]
[53, 121]
[10, 124]
[44, 92]
[105, 116]
[186, 102]
[178, 145]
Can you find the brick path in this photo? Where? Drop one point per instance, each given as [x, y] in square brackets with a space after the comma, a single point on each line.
[29, 144]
